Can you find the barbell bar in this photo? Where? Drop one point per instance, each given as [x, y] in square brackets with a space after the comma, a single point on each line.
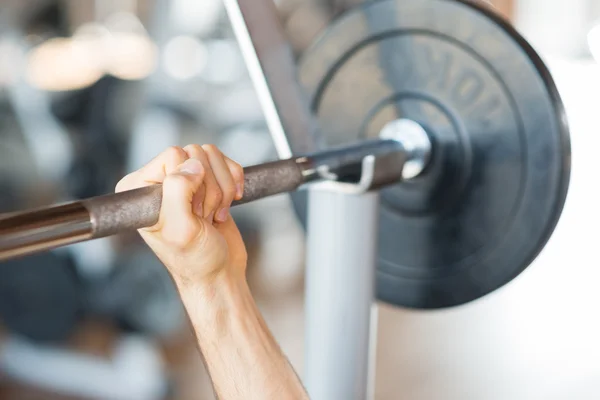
[402, 152]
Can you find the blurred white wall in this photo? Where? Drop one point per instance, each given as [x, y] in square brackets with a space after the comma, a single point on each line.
[557, 27]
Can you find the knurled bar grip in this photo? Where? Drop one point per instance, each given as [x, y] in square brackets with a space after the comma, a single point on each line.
[46, 228]
[140, 208]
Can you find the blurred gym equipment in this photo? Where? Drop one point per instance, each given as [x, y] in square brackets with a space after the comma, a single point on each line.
[139, 293]
[40, 297]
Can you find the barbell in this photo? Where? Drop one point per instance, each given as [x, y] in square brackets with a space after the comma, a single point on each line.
[439, 104]
[97, 217]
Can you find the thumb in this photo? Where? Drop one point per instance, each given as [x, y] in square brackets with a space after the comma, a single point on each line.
[177, 221]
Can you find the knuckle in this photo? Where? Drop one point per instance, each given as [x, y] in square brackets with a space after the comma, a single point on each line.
[211, 148]
[195, 151]
[175, 154]
[238, 171]
[192, 148]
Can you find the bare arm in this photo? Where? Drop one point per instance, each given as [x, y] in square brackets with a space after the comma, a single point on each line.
[201, 246]
[242, 357]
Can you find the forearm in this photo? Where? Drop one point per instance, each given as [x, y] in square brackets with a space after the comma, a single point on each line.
[242, 357]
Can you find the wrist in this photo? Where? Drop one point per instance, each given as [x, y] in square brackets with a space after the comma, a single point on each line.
[197, 277]
[214, 297]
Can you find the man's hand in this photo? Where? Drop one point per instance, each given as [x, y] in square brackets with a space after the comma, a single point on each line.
[199, 243]
[195, 237]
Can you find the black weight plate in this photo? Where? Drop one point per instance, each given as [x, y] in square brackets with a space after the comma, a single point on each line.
[494, 190]
[40, 297]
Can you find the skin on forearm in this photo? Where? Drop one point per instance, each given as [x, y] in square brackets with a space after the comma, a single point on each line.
[241, 355]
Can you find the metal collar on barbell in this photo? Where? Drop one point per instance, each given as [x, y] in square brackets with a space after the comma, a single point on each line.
[402, 154]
